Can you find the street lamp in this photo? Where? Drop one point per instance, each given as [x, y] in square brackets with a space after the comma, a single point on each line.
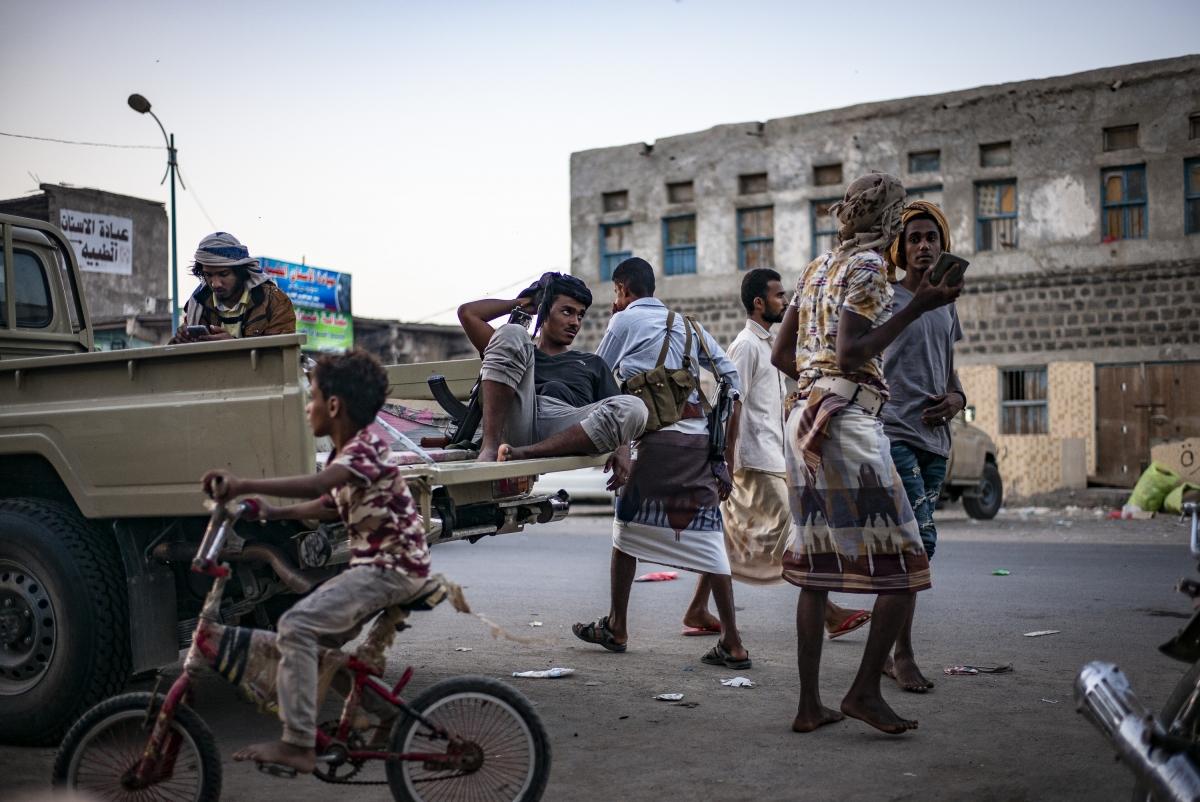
[142, 106]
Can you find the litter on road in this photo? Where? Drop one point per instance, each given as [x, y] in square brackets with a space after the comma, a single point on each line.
[462, 648]
[658, 576]
[738, 682]
[1001, 572]
[669, 697]
[1039, 633]
[1049, 701]
[535, 623]
[967, 671]
[549, 673]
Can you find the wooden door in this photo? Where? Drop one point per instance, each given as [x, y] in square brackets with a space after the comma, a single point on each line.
[1139, 406]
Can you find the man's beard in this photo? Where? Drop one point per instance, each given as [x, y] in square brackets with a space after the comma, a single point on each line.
[777, 317]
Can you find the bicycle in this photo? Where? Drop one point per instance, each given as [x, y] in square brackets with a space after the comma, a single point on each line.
[466, 737]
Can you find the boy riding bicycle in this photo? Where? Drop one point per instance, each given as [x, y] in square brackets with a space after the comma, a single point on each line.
[389, 556]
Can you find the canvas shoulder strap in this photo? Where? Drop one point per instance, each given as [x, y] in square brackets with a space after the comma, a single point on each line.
[662, 354]
[691, 324]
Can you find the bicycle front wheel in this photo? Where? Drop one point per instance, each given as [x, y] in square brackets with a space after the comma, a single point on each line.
[109, 740]
[504, 751]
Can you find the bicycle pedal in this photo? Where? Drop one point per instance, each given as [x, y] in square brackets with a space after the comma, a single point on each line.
[278, 770]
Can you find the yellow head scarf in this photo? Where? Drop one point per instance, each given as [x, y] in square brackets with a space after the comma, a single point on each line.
[918, 207]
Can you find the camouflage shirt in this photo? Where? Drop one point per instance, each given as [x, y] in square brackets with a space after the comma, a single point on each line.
[378, 511]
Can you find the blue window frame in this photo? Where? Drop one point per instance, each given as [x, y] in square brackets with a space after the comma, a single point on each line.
[1123, 202]
[824, 226]
[929, 192]
[679, 244]
[616, 246]
[1191, 196]
[996, 215]
[756, 237]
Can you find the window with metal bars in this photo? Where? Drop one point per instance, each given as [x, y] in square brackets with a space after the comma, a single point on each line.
[1123, 202]
[616, 245]
[756, 237]
[996, 215]
[824, 226]
[1024, 401]
[1191, 196]
[679, 244]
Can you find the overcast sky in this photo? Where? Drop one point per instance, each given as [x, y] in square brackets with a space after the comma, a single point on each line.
[423, 147]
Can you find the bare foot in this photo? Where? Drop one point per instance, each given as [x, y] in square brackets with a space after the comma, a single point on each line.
[810, 717]
[876, 712]
[486, 455]
[506, 453]
[702, 620]
[297, 757]
[907, 675]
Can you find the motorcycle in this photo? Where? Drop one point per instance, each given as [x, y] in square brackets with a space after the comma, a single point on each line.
[1162, 751]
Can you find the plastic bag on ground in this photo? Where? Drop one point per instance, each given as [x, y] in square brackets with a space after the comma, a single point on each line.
[1152, 487]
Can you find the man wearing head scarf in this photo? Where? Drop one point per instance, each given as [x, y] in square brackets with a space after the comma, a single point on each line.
[855, 531]
[925, 395]
[545, 399]
[234, 299]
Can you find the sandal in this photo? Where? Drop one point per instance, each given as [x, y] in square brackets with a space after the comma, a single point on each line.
[598, 633]
[852, 622]
[718, 656]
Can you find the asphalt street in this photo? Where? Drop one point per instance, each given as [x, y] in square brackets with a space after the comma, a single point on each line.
[1107, 586]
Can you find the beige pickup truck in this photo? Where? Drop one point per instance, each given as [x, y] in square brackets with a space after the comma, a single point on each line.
[100, 507]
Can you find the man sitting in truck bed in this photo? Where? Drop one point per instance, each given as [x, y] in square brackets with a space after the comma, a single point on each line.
[235, 299]
[548, 400]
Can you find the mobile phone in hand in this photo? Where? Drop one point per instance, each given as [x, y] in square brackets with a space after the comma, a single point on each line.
[951, 268]
[197, 331]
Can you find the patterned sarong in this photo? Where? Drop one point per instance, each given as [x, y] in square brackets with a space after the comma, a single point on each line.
[669, 511]
[758, 526]
[854, 530]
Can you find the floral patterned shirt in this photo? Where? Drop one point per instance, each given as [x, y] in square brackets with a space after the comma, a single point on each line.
[378, 511]
[826, 287]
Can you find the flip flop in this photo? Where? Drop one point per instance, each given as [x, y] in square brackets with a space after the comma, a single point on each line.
[718, 656]
[856, 620]
[710, 629]
[598, 633]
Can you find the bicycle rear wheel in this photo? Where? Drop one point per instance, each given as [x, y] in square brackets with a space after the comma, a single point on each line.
[109, 740]
[496, 729]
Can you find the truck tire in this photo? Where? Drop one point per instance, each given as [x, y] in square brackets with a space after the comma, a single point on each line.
[985, 503]
[64, 619]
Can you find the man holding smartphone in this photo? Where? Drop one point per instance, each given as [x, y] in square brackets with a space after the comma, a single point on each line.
[235, 298]
[925, 394]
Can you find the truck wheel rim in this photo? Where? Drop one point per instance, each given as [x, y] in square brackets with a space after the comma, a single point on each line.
[27, 629]
[987, 493]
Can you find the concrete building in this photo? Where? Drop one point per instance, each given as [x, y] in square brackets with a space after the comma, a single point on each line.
[1077, 200]
[121, 245]
[398, 343]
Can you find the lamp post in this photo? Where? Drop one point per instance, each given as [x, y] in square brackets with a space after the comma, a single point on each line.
[142, 106]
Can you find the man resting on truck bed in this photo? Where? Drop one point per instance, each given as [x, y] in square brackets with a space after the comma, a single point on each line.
[234, 298]
[548, 400]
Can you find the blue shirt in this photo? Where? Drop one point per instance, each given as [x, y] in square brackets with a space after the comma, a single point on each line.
[635, 336]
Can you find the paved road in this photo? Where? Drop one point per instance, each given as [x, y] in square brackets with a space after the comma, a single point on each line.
[1106, 585]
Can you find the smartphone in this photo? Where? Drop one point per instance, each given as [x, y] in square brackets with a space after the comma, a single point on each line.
[950, 267]
[197, 331]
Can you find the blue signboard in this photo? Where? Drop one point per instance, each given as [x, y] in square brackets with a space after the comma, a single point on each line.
[310, 287]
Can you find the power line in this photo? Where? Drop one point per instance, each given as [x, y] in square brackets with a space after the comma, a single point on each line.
[196, 198]
[522, 283]
[76, 142]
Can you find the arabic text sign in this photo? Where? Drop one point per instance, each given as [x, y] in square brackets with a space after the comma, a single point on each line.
[328, 332]
[312, 287]
[103, 244]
